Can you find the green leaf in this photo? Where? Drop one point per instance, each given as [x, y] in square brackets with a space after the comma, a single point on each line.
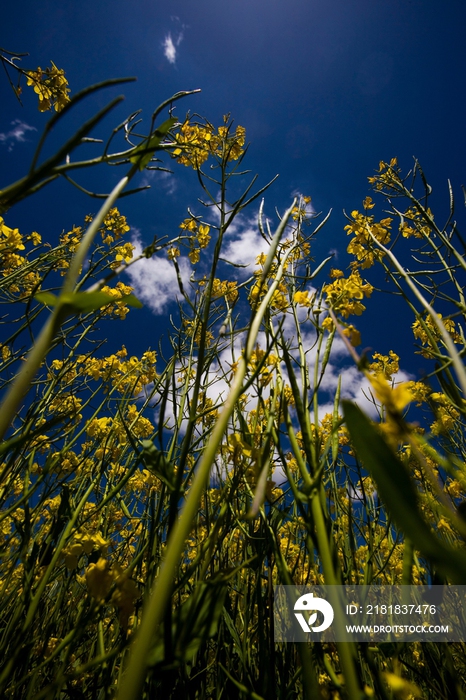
[398, 493]
[142, 154]
[85, 301]
[46, 298]
[78, 301]
[131, 300]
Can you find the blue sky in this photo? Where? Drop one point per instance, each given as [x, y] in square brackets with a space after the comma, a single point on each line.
[324, 88]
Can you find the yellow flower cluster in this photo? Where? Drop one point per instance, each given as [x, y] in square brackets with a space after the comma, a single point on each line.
[200, 237]
[427, 332]
[10, 239]
[196, 142]
[143, 481]
[327, 429]
[5, 352]
[119, 308]
[279, 298]
[207, 413]
[387, 177]
[267, 367]
[413, 223]
[67, 405]
[99, 428]
[193, 328]
[387, 365]
[72, 239]
[239, 452]
[109, 435]
[223, 288]
[119, 370]
[344, 294]
[123, 254]
[113, 227]
[420, 391]
[173, 252]
[139, 425]
[362, 245]
[301, 251]
[51, 86]
[101, 576]
[447, 416]
[14, 266]
[64, 463]
[83, 543]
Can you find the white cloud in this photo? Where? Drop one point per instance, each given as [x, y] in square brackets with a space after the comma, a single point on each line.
[170, 46]
[17, 134]
[154, 280]
[244, 248]
[169, 49]
[243, 241]
[159, 179]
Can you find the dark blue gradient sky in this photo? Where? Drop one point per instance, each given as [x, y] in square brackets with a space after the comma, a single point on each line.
[325, 89]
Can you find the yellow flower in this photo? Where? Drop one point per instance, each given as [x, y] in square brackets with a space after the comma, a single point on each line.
[225, 289]
[395, 399]
[202, 236]
[361, 245]
[99, 579]
[387, 364]
[5, 352]
[51, 87]
[124, 253]
[328, 325]
[353, 334]
[189, 225]
[194, 255]
[173, 253]
[10, 239]
[124, 595]
[343, 295]
[302, 298]
[116, 223]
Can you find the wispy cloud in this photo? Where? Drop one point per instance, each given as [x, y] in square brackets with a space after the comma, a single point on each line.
[170, 46]
[154, 280]
[17, 134]
[243, 241]
[160, 179]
